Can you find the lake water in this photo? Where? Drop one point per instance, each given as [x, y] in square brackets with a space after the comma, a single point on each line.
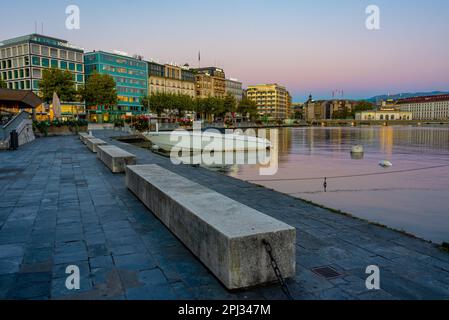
[412, 195]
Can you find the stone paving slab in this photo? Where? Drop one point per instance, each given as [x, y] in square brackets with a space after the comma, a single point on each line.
[59, 205]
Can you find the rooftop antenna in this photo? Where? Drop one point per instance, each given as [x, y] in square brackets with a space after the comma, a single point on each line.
[42, 28]
[35, 26]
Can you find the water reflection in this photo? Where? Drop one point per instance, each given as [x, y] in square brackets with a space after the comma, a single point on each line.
[415, 201]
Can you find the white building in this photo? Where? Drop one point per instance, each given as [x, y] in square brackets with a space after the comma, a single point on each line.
[426, 108]
[384, 114]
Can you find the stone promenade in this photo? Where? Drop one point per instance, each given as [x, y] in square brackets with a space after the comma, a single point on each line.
[61, 206]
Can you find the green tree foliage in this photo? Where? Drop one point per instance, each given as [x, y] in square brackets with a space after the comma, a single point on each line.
[230, 103]
[3, 84]
[248, 108]
[177, 105]
[157, 103]
[59, 81]
[100, 90]
[341, 113]
[362, 106]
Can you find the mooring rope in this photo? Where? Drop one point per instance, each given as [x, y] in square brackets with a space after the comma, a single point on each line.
[351, 176]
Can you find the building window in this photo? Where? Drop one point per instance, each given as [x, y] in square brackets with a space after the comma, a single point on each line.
[45, 62]
[62, 54]
[71, 66]
[54, 53]
[54, 64]
[35, 84]
[79, 67]
[37, 73]
[35, 49]
[44, 51]
[36, 61]
[63, 65]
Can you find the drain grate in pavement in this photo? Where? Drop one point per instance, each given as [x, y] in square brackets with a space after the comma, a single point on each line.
[326, 272]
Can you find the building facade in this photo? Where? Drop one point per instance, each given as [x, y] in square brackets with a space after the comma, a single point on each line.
[273, 101]
[210, 82]
[426, 108]
[234, 88]
[171, 79]
[316, 110]
[23, 59]
[384, 114]
[131, 79]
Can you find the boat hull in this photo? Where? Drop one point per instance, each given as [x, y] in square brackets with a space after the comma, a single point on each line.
[198, 142]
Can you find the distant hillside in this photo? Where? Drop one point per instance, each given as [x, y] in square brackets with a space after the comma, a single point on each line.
[404, 95]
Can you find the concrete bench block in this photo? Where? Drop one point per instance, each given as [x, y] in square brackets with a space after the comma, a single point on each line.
[84, 136]
[93, 143]
[115, 158]
[224, 234]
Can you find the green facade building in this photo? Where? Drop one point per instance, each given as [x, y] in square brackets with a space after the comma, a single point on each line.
[131, 78]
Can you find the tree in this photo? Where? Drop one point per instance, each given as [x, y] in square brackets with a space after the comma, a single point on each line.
[230, 103]
[342, 113]
[3, 84]
[100, 90]
[156, 102]
[248, 108]
[59, 81]
[362, 106]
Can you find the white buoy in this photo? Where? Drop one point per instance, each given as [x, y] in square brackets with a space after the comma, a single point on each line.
[385, 164]
[357, 149]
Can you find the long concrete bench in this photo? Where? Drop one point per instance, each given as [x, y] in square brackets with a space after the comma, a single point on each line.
[224, 234]
[84, 136]
[93, 143]
[115, 158]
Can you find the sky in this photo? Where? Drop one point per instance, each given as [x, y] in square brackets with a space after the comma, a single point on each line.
[311, 47]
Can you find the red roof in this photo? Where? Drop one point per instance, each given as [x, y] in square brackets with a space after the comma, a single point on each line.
[441, 97]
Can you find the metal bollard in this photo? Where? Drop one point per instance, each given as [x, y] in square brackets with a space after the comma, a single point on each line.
[14, 140]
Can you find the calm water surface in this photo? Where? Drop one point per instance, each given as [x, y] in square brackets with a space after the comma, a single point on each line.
[416, 201]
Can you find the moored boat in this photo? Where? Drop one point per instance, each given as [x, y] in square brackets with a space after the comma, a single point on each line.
[206, 141]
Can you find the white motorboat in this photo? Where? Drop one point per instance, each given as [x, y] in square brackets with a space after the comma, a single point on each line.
[206, 141]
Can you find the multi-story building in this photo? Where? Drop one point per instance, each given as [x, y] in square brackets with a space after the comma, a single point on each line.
[23, 59]
[131, 79]
[316, 110]
[171, 79]
[273, 100]
[210, 82]
[234, 88]
[426, 108]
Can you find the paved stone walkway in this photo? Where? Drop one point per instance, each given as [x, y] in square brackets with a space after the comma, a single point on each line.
[61, 206]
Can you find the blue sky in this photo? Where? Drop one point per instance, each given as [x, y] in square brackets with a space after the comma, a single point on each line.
[309, 46]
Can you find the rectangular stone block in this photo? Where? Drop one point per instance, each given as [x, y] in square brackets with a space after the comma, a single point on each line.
[93, 143]
[84, 136]
[115, 158]
[224, 234]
